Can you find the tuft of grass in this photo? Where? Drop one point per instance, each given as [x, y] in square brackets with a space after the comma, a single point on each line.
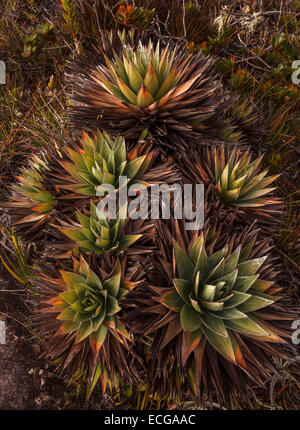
[17, 264]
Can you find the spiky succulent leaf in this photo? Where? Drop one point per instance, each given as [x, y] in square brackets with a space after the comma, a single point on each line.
[31, 186]
[239, 182]
[97, 234]
[101, 161]
[90, 304]
[214, 296]
[130, 85]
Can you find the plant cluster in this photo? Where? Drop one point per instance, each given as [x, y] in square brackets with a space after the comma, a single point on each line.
[157, 95]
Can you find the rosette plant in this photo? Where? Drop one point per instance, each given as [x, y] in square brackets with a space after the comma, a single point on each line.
[239, 181]
[31, 202]
[89, 306]
[102, 160]
[31, 187]
[98, 234]
[206, 311]
[216, 296]
[236, 185]
[79, 313]
[128, 86]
